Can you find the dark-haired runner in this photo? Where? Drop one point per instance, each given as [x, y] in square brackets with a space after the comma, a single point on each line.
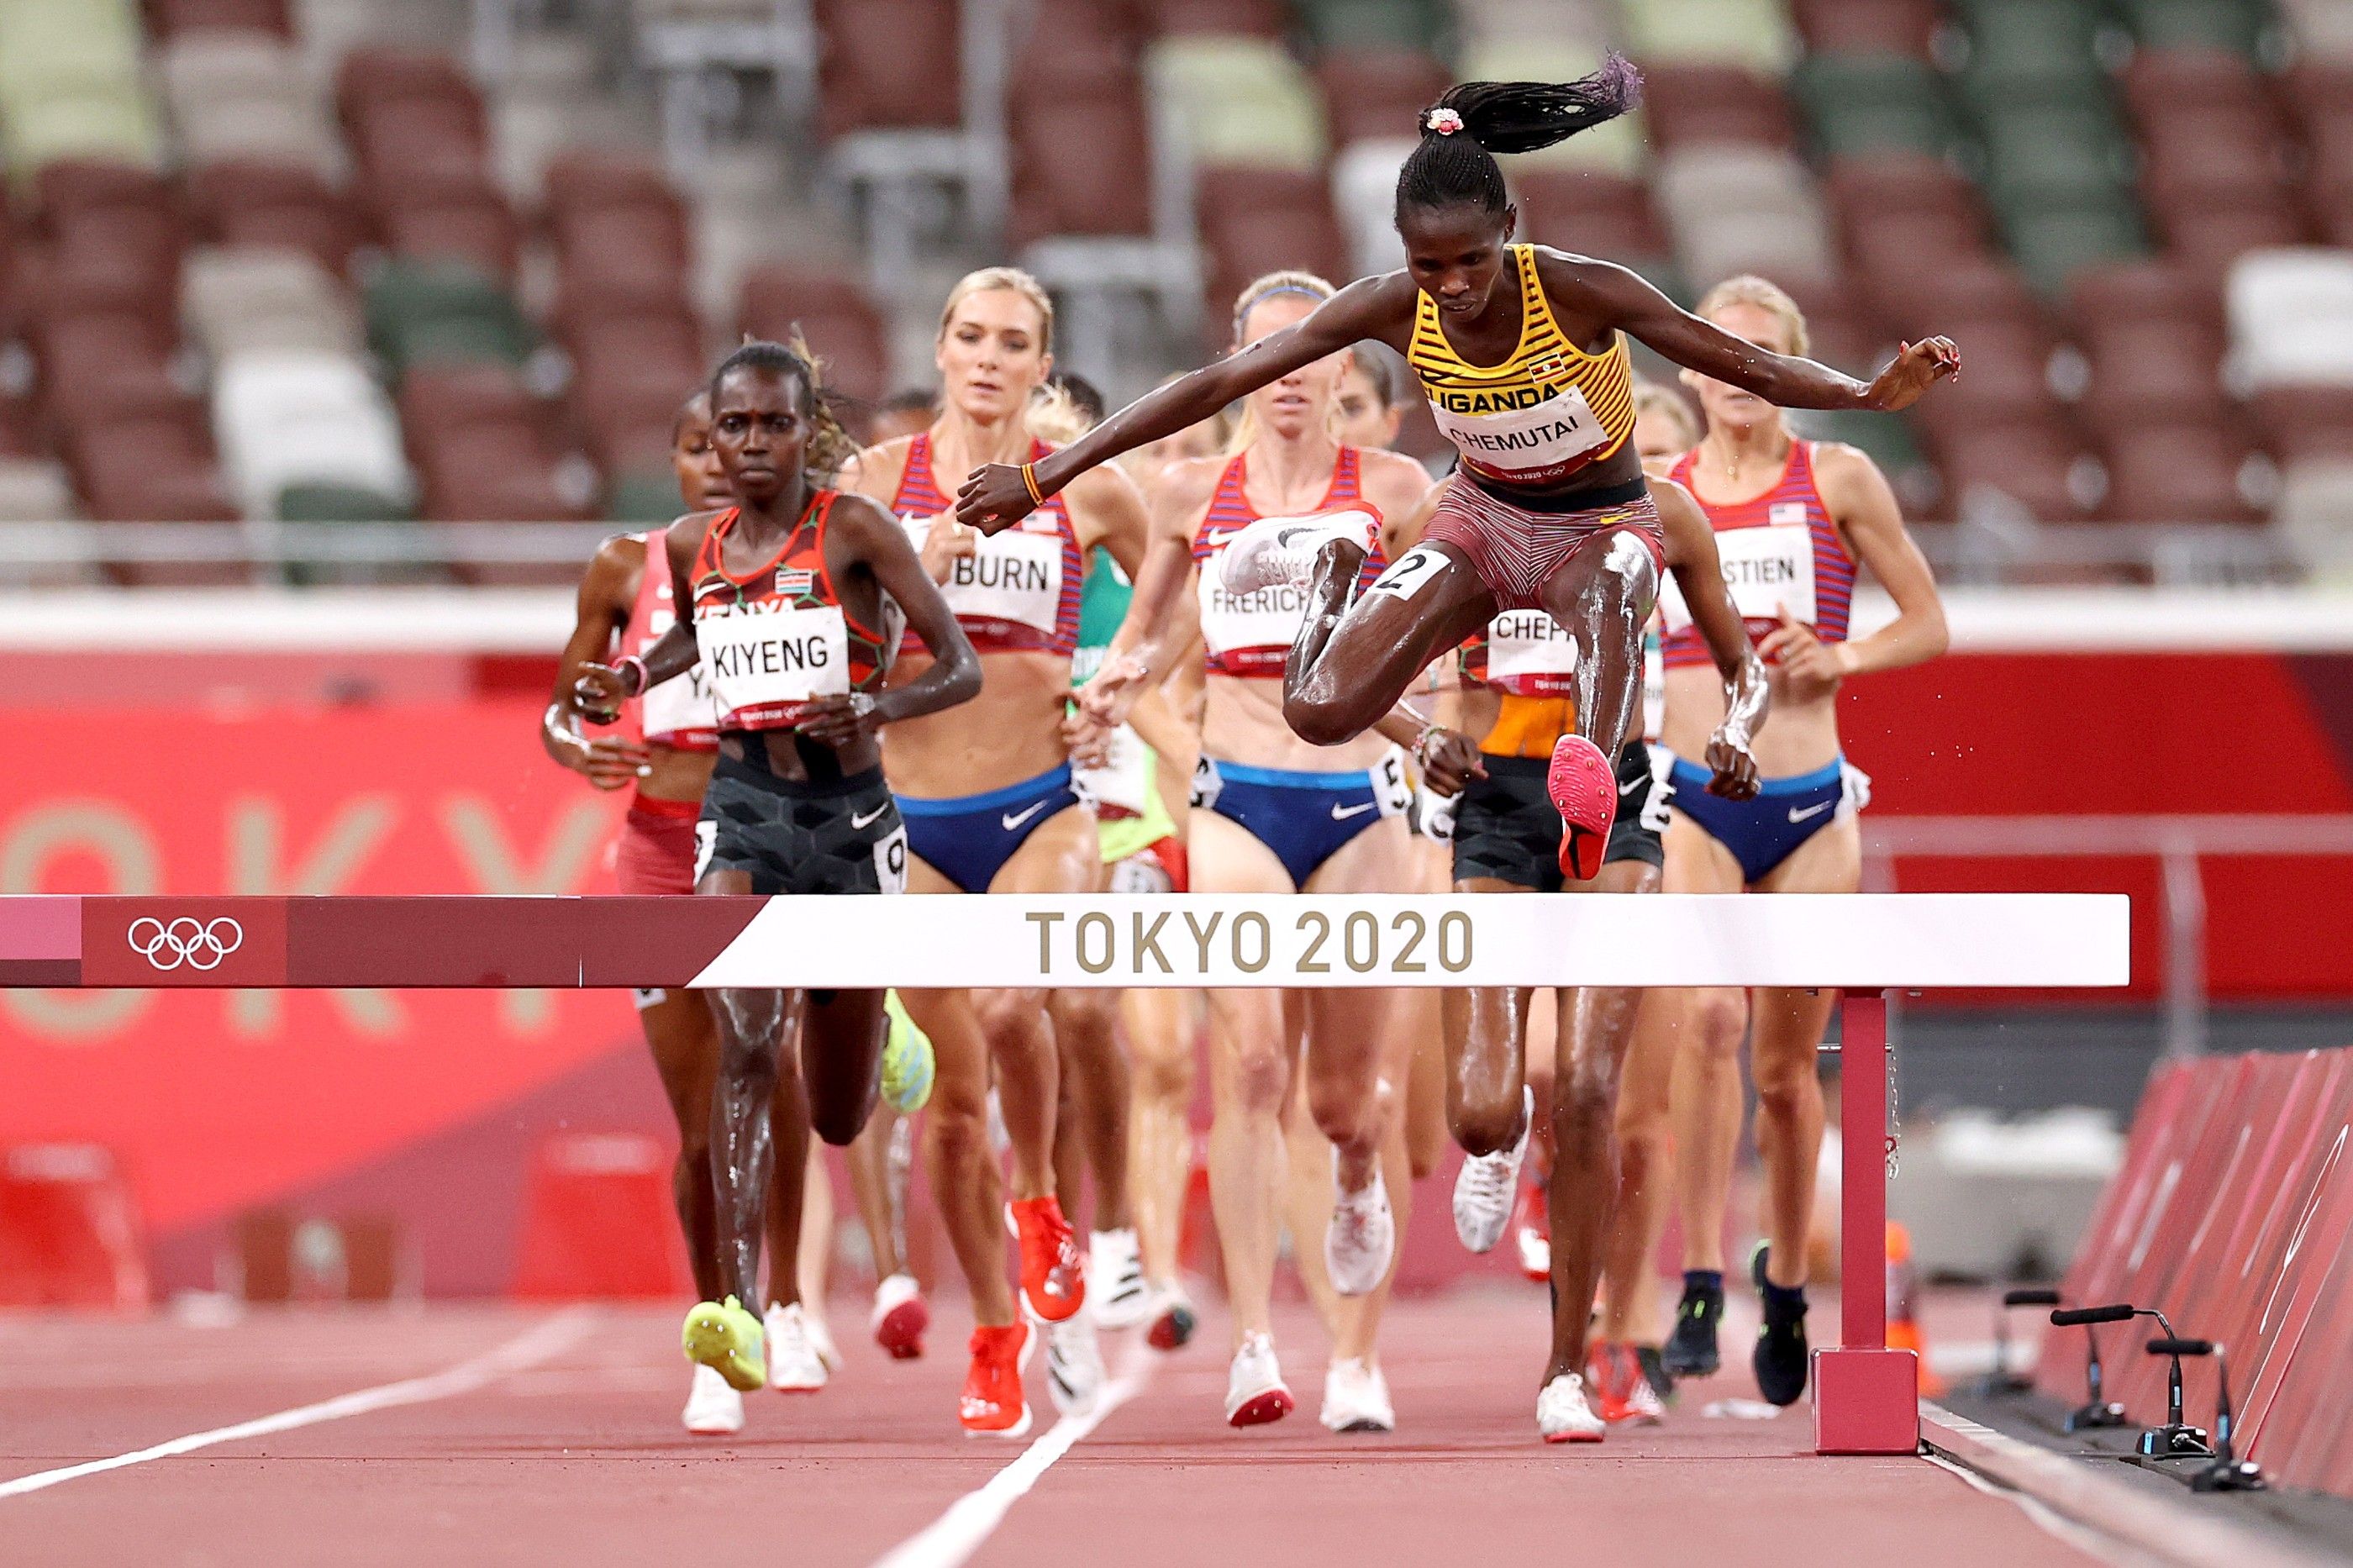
[1519, 349]
[791, 592]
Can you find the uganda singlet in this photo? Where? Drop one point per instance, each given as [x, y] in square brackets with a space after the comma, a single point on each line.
[1547, 411]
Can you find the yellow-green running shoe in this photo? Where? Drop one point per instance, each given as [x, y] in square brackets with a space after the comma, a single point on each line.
[724, 1337]
[907, 1063]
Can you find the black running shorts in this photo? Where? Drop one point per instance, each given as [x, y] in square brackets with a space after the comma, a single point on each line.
[1506, 827]
[843, 837]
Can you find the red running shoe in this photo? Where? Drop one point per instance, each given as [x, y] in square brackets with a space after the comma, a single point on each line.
[1584, 790]
[1052, 1278]
[1532, 1232]
[1622, 1395]
[994, 1404]
[900, 1317]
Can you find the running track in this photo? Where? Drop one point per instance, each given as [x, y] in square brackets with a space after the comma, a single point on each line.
[492, 1434]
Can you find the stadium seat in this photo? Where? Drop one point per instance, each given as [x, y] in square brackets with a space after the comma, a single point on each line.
[444, 218]
[1364, 197]
[889, 65]
[2175, 473]
[1377, 92]
[1240, 100]
[2129, 293]
[2323, 30]
[421, 311]
[285, 418]
[250, 204]
[2307, 423]
[2313, 514]
[1096, 196]
[34, 490]
[832, 311]
[2031, 52]
[1255, 221]
[1414, 26]
[1860, 105]
[1244, 18]
[1690, 104]
[2161, 372]
[1751, 33]
[1592, 214]
[240, 300]
[2053, 241]
[2291, 314]
[2038, 465]
[660, 347]
[2237, 24]
[174, 19]
[1737, 209]
[1869, 27]
[245, 95]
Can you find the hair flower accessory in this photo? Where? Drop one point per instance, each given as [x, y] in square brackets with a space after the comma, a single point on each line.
[1445, 121]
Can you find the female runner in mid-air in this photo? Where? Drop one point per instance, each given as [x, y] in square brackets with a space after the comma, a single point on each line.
[991, 809]
[795, 597]
[1275, 813]
[1793, 520]
[1519, 350]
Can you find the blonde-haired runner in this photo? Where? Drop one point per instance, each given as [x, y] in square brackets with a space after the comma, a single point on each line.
[990, 807]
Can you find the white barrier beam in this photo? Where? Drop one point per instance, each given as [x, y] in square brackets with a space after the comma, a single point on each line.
[1859, 939]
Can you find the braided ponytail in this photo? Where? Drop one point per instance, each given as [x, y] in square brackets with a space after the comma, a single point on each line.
[1454, 163]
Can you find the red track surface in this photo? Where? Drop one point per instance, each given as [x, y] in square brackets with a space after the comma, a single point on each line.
[579, 1460]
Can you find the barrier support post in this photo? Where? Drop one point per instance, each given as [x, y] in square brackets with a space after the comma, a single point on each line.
[1866, 1396]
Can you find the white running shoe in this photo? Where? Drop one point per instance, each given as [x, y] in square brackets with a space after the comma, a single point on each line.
[1255, 1392]
[714, 1409]
[1486, 1186]
[1362, 1236]
[1356, 1398]
[821, 1339]
[1562, 1414]
[1074, 1363]
[1278, 549]
[1536, 1252]
[1116, 1293]
[794, 1366]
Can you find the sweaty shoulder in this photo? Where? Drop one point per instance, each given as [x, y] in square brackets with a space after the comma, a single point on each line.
[1183, 488]
[685, 537]
[1395, 482]
[862, 516]
[878, 469]
[1106, 485]
[1846, 474]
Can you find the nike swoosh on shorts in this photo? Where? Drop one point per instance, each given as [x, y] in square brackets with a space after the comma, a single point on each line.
[1013, 820]
[1342, 813]
[857, 821]
[1810, 812]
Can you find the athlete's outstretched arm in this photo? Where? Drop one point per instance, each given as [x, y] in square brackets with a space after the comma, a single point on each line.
[1161, 618]
[998, 497]
[1747, 694]
[1639, 310]
[883, 549]
[1865, 511]
[600, 689]
[602, 611]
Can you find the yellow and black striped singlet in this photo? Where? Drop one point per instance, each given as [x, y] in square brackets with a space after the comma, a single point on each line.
[1542, 414]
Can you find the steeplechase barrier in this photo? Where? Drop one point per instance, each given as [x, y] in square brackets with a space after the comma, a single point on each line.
[1865, 945]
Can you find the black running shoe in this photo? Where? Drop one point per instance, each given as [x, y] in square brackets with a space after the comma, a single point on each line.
[1691, 1350]
[1779, 1358]
[1654, 1372]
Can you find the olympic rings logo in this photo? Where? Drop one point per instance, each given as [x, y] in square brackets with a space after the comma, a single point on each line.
[199, 945]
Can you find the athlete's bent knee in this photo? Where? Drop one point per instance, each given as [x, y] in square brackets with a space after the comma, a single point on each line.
[1258, 1077]
[1719, 1018]
[1485, 1129]
[1327, 718]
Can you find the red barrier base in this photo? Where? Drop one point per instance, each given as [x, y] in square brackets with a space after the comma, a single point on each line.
[1866, 1402]
[599, 1222]
[68, 1236]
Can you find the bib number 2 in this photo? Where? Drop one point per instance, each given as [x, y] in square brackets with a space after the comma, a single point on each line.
[1411, 573]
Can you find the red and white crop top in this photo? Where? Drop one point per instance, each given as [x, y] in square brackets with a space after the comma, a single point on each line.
[777, 637]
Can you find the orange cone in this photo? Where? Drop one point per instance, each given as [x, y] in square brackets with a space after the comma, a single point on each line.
[1903, 1309]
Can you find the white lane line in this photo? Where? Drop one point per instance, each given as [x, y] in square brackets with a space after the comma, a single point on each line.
[548, 1340]
[950, 1539]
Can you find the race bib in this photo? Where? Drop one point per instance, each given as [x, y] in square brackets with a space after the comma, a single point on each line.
[1535, 442]
[1121, 787]
[683, 704]
[1767, 569]
[1391, 785]
[1529, 654]
[768, 654]
[1014, 579]
[1251, 626]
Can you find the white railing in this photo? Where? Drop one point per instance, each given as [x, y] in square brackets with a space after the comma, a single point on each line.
[2179, 845]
